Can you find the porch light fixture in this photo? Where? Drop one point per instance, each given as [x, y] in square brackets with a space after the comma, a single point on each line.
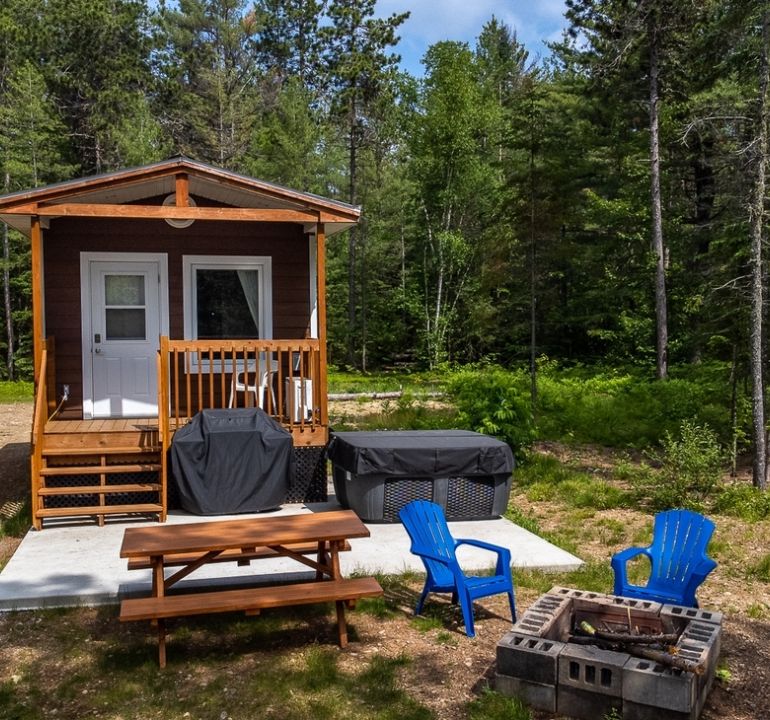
[171, 200]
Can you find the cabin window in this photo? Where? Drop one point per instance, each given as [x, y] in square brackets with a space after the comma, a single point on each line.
[227, 297]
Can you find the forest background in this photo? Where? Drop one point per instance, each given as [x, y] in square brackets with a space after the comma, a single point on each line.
[601, 207]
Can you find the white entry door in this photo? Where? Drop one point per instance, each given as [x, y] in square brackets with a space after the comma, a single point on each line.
[123, 338]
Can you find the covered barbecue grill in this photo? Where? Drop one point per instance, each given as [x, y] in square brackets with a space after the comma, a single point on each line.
[232, 461]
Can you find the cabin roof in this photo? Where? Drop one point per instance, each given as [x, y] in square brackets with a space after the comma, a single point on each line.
[206, 183]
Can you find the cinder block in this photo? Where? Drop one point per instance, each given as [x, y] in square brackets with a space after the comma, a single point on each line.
[647, 683]
[638, 711]
[575, 703]
[536, 695]
[588, 668]
[529, 658]
[548, 617]
[688, 613]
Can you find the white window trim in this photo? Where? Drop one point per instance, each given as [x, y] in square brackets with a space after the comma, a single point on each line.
[262, 264]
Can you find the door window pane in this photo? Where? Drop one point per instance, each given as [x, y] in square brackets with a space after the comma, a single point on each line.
[124, 289]
[125, 324]
[227, 303]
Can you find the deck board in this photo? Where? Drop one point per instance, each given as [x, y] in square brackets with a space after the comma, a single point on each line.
[54, 427]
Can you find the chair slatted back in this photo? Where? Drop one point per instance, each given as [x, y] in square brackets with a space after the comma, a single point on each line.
[680, 539]
[428, 530]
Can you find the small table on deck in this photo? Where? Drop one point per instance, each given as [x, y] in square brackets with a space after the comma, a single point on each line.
[191, 546]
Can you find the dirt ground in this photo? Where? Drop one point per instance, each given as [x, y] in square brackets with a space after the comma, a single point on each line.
[445, 676]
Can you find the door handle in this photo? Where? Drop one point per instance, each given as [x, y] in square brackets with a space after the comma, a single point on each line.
[97, 350]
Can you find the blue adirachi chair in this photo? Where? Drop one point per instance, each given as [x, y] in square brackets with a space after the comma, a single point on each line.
[433, 543]
[678, 560]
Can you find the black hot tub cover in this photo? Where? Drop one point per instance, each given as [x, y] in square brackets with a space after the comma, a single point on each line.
[232, 461]
[416, 453]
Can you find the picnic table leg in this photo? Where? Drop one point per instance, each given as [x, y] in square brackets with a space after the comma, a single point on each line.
[334, 559]
[341, 625]
[322, 558]
[162, 643]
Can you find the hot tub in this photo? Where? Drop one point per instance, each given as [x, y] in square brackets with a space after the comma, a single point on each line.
[377, 473]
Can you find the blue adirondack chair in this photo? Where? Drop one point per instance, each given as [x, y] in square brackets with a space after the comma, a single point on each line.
[433, 543]
[678, 560]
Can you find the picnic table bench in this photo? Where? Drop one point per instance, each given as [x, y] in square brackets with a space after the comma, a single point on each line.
[191, 546]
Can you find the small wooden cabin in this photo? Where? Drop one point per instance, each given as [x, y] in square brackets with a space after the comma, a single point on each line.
[157, 292]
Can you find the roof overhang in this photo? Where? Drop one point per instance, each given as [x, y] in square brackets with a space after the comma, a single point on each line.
[218, 195]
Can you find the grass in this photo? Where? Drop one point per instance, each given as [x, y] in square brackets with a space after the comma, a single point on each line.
[20, 391]
[341, 381]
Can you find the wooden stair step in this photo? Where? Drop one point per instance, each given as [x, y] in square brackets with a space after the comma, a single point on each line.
[101, 450]
[100, 489]
[98, 510]
[99, 469]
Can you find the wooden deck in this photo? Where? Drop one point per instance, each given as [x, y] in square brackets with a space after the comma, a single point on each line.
[59, 426]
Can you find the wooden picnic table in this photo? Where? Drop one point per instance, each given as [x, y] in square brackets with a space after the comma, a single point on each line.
[313, 539]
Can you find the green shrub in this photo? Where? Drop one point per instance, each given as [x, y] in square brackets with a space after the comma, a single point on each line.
[690, 469]
[626, 408]
[493, 401]
[743, 501]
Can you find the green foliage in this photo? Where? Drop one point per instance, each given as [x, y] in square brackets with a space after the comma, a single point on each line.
[691, 466]
[625, 408]
[491, 401]
[744, 501]
[545, 478]
[20, 391]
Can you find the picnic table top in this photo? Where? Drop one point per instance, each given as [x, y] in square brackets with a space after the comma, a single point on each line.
[242, 533]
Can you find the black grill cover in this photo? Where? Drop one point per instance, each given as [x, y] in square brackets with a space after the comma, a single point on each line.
[417, 453]
[232, 461]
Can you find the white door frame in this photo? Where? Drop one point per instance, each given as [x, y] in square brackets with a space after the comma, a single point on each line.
[86, 258]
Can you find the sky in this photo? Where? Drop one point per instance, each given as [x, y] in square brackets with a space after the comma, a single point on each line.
[534, 21]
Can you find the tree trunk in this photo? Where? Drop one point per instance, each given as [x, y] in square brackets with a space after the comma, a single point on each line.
[352, 235]
[532, 283]
[756, 218]
[658, 247]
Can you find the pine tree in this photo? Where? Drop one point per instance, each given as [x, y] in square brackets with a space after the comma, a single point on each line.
[358, 65]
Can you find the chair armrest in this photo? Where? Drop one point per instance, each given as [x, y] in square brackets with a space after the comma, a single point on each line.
[503, 553]
[619, 561]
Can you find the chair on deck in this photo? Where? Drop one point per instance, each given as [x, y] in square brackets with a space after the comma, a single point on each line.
[678, 560]
[433, 543]
[256, 378]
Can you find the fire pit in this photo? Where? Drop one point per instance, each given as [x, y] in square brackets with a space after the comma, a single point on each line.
[552, 661]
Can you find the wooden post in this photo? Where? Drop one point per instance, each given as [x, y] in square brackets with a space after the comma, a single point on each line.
[320, 240]
[182, 190]
[36, 250]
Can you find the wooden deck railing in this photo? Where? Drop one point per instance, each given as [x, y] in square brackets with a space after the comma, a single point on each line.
[283, 377]
[40, 417]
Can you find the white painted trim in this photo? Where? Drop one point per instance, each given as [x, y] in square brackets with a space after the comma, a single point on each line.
[86, 258]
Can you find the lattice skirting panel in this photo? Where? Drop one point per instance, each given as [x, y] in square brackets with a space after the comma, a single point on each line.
[310, 482]
[76, 499]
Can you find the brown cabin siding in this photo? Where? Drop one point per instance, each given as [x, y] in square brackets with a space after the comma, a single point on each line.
[68, 237]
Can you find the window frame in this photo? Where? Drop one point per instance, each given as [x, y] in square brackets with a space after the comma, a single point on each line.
[191, 263]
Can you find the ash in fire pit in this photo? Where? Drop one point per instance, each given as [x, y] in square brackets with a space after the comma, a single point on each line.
[584, 654]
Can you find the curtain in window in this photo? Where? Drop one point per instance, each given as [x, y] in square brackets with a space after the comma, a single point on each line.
[249, 280]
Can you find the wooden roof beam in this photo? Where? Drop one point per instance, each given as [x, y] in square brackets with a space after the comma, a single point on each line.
[161, 212]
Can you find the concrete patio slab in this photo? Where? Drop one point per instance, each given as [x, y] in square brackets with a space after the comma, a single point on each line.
[79, 564]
